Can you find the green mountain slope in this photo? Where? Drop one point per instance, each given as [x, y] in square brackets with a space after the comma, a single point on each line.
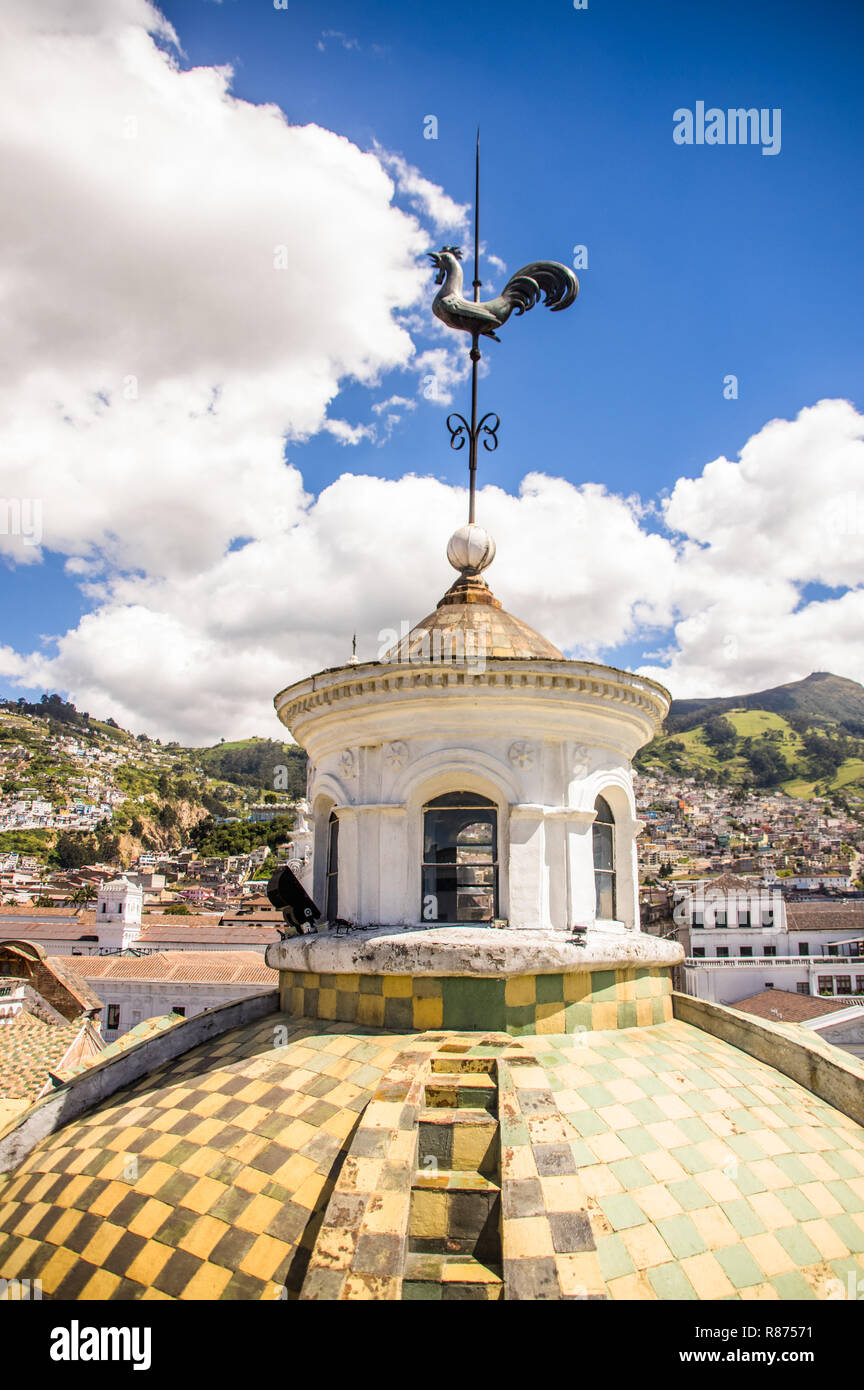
[805, 738]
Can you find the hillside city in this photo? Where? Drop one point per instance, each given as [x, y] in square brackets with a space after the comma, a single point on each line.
[139, 868]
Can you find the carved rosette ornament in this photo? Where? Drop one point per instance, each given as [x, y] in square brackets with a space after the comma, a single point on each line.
[396, 754]
[581, 756]
[521, 753]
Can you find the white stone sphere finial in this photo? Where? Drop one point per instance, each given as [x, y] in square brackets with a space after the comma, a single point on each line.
[471, 548]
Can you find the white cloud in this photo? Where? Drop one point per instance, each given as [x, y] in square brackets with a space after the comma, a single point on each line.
[155, 359]
[428, 198]
[156, 352]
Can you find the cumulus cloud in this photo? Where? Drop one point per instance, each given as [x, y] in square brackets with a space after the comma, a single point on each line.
[428, 198]
[180, 288]
[181, 295]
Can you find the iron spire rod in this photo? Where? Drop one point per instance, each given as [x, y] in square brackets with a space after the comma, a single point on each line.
[475, 351]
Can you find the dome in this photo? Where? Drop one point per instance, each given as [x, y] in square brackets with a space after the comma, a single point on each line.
[469, 623]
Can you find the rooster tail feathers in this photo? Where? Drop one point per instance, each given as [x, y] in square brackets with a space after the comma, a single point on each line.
[556, 283]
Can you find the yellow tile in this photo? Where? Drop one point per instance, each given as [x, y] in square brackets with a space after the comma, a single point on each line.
[151, 1216]
[826, 1239]
[760, 1293]
[520, 990]
[398, 986]
[247, 1149]
[258, 1214]
[265, 1257]
[663, 1166]
[32, 1216]
[347, 984]
[656, 1202]
[204, 1195]
[775, 1215]
[558, 1193]
[294, 1172]
[719, 1187]
[326, 1003]
[577, 987]
[62, 1228]
[527, 1236]
[309, 1194]
[207, 1283]
[769, 1255]
[73, 1189]
[519, 1162]
[631, 1287]
[428, 1013]
[607, 1148]
[102, 1243]
[598, 1181]
[429, 1213]
[579, 1275]
[646, 1247]
[707, 1276]
[370, 1010]
[644, 1013]
[604, 1016]
[54, 1272]
[714, 1227]
[667, 1134]
[149, 1262]
[153, 1177]
[99, 1287]
[550, 1018]
[204, 1236]
[768, 1172]
[386, 1212]
[151, 1295]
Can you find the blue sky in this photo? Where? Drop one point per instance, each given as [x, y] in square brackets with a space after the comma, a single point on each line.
[702, 262]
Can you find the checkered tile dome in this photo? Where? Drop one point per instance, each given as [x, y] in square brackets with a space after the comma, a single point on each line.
[652, 1163]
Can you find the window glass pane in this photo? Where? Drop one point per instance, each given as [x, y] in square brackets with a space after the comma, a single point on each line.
[605, 887]
[460, 859]
[603, 847]
[604, 811]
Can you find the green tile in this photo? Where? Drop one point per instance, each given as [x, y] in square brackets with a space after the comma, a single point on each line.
[670, 1281]
[842, 1193]
[695, 1162]
[631, 1174]
[613, 1257]
[743, 1217]
[794, 1169]
[695, 1129]
[550, 989]
[595, 1096]
[740, 1266]
[681, 1236]
[646, 1112]
[472, 1003]
[622, 1211]
[849, 1232]
[587, 1123]
[638, 1141]
[792, 1286]
[841, 1165]
[689, 1195]
[627, 1014]
[797, 1244]
[746, 1148]
[603, 987]
[799, 1205]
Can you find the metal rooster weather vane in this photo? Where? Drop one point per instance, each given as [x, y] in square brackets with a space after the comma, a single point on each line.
[555, 283]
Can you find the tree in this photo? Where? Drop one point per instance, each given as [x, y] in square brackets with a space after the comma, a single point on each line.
[177, 910]
[85, 894]
[73, 849]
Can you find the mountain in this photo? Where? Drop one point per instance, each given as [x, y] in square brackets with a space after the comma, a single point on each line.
[820, 695]
[805, 738]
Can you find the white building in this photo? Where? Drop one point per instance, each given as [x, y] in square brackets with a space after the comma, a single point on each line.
[473, 774]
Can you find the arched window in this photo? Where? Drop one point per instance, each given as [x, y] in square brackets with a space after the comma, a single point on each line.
[331, 895]
[604, 860]
[460, 859]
